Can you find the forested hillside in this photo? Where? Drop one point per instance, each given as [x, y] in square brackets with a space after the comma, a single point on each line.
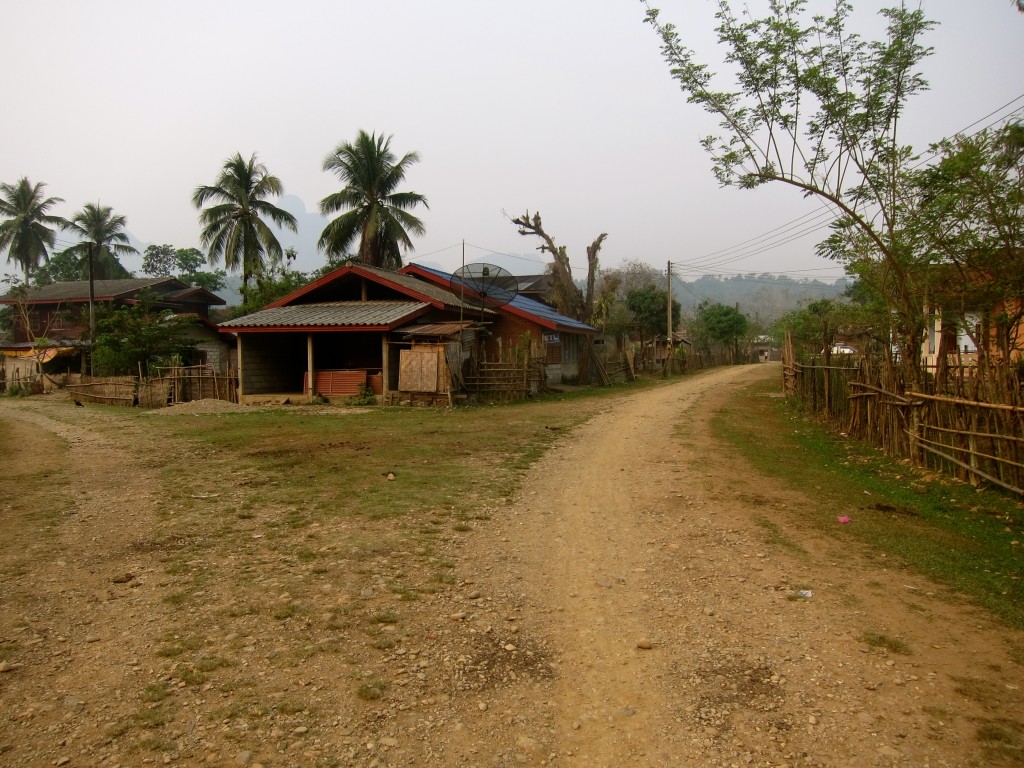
[761, 297]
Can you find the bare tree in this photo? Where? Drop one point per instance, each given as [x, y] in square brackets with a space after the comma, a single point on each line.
[568, 298]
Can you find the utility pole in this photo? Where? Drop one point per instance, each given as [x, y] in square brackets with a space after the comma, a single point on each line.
[668, 336]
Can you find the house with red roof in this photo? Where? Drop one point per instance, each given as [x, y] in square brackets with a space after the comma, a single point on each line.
[406, 336]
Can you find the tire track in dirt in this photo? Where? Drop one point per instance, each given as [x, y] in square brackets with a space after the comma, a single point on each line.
[85, 609]
[640, 525]
[588, 563]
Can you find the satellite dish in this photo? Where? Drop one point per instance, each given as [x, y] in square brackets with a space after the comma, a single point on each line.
[486, 286]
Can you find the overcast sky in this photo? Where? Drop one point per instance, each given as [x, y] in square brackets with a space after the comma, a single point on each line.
[561, 106]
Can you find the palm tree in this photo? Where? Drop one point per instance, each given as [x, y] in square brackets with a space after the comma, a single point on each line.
[376, 214]
[233, 227]
[102, 238]
[26, 233]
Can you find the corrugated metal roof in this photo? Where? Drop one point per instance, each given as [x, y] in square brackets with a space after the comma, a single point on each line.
[532, 307]
[437, 329]
[332, 313]
[539, 309]
[104, 289]
[436, 292]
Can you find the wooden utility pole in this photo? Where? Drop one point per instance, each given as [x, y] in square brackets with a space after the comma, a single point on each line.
[668, 336]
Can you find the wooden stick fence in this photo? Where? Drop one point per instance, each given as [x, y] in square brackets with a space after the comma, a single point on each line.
[173, 385]
[976, 438]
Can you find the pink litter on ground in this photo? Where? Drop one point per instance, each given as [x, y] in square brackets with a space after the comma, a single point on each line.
[843, 519]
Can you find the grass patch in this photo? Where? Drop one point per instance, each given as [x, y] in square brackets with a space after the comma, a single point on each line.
[371, 690]
[948, 531]
[438, 457]
[886, 643]
[776, 537]
[175, 599]
[285, 611]
[155, 744]
[1003, 741]
[156, 692]
[154, 716]
[175, 646]
[987, 693]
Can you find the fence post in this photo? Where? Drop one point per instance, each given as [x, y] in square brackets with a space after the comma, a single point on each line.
[814, 385]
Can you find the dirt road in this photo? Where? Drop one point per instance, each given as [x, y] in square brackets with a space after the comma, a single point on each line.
[637, 604]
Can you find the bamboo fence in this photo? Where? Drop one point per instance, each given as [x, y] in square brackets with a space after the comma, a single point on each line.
[969, 423]
[499, 381]
[171, 386]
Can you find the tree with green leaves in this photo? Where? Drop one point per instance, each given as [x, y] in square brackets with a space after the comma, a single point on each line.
[63, 267]
[134, 338]
[649, 307]
[277, 282]
[234, 226]
[27, 231]
[814, 328]
[818, 108]
[376, 214]
[723, 326]
[102, 238]
[182, 263]
[970, 207]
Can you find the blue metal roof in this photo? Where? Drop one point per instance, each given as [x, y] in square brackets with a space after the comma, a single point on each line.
[531, 307]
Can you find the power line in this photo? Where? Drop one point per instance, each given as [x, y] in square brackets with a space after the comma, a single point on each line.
[747, 248]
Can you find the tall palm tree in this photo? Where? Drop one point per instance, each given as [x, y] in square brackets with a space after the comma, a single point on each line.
[102, 239]
[26, 232]
[377, 215]
[233, 227]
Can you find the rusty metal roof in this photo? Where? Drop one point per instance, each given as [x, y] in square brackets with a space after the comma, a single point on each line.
[329, 314]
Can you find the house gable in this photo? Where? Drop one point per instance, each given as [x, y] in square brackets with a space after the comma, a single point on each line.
[522, 307]
[357, 282]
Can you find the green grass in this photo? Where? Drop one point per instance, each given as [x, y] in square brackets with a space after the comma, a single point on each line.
[323, 466]
[886, 643]
[957, 535]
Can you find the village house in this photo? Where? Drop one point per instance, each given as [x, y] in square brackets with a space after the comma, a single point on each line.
[404, 336]
[51, 323]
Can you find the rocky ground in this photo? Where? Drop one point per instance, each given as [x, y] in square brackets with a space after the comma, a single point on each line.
[646, 600]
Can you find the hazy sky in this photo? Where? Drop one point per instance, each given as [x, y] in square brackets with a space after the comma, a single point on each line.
[561, 106]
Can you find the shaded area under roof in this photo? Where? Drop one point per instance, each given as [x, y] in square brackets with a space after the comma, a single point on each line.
[438, 329]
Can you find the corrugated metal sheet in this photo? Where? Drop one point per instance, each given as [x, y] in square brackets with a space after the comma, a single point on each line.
[330, 314]
[104, 289]
[423, 287]
[533, 307]
[437, 329]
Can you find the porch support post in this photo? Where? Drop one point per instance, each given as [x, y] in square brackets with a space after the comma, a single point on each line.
[241, 357]
[309, 365]
[385, 350]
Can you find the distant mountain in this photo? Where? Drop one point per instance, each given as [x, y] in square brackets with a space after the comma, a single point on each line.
[310, 224]
[761, 297]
